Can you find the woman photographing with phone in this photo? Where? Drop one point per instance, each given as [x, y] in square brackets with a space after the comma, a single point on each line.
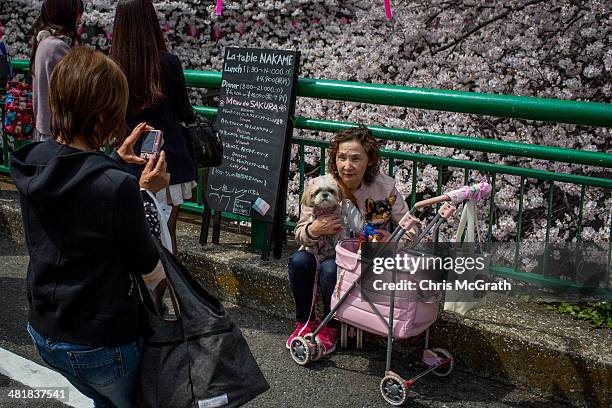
[86, 231]
[158, 95]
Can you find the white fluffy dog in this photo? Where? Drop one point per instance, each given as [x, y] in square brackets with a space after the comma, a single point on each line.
[323, 195]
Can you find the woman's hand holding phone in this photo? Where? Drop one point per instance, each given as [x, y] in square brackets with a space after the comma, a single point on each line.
[154, 176]
[126, 150]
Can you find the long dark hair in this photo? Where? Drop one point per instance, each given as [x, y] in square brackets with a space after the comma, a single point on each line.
[137, 41]
[60, 16]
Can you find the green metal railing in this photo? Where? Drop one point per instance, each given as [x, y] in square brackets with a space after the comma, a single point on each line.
[572, 112]
[505, 106]
[492, 170]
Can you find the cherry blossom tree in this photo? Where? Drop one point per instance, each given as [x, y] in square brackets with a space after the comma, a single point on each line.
[552, 49]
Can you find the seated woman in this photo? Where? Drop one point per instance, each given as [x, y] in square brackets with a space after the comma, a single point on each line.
[354, 163]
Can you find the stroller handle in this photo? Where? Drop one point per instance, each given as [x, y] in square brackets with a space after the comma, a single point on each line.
[476, 192]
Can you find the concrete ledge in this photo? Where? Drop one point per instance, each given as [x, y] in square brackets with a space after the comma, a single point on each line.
[507, 340]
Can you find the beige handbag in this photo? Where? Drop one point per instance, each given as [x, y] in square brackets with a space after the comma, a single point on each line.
[468, 224]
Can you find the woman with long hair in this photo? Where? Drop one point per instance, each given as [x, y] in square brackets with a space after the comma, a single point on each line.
[53, 34]
[158, 95]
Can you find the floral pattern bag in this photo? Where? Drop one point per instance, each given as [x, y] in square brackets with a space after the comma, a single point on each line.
[18, 114]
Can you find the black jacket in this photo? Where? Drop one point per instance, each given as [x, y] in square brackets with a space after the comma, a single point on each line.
[166, 117]
[86, 233]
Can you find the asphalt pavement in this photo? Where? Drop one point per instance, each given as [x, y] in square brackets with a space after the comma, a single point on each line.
[349, 378]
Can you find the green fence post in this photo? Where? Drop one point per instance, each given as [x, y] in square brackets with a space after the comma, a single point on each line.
[438, 192]
[413, 184]
[491, 218]
[519, 223]
[322, 162]
[258, 234]
[548, 224]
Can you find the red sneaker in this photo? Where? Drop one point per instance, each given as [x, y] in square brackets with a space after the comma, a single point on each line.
[328, 337]
[303, 329]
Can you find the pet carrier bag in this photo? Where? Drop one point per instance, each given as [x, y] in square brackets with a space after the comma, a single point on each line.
[410, 317]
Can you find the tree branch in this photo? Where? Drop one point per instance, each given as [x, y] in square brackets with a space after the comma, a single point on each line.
[442, 10]
[428, 44]
[486, 23]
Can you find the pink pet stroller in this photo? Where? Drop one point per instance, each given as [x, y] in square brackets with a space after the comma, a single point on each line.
[397, 318]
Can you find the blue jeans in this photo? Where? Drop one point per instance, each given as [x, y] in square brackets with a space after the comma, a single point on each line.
[107, 375]
[302, 268]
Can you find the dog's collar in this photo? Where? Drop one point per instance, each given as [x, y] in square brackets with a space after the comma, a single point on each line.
[371, 227]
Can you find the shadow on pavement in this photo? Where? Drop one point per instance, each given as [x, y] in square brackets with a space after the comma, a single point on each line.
[13, 303]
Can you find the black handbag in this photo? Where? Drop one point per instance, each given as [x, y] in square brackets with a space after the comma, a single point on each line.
[198, 360]
[204, 142]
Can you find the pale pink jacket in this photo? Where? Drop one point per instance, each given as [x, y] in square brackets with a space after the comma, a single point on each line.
[48, 54]
[382, 187]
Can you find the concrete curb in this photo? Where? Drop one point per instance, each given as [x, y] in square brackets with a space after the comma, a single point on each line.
[512, 342]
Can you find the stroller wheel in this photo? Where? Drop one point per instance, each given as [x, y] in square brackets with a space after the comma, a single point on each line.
[446, 368]
[393, 389]
[302, 350]
[319, 350]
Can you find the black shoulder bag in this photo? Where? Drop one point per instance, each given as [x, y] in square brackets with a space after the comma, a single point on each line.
[198, 360]
[204, 142]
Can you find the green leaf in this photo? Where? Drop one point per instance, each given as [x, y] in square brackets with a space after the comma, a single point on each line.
[598, 314]
[604, 306]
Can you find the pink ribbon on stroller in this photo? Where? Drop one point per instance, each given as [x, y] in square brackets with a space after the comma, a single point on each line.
[475, 193]
[479, 191]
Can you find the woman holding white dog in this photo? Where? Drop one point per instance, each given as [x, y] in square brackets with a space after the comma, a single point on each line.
[354, 164]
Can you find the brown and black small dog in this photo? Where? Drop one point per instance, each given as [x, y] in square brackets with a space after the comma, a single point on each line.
[377, 217]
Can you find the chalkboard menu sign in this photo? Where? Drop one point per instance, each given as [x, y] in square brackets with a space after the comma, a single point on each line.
[256, 103]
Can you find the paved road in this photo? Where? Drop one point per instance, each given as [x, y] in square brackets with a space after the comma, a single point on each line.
[347, 379]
